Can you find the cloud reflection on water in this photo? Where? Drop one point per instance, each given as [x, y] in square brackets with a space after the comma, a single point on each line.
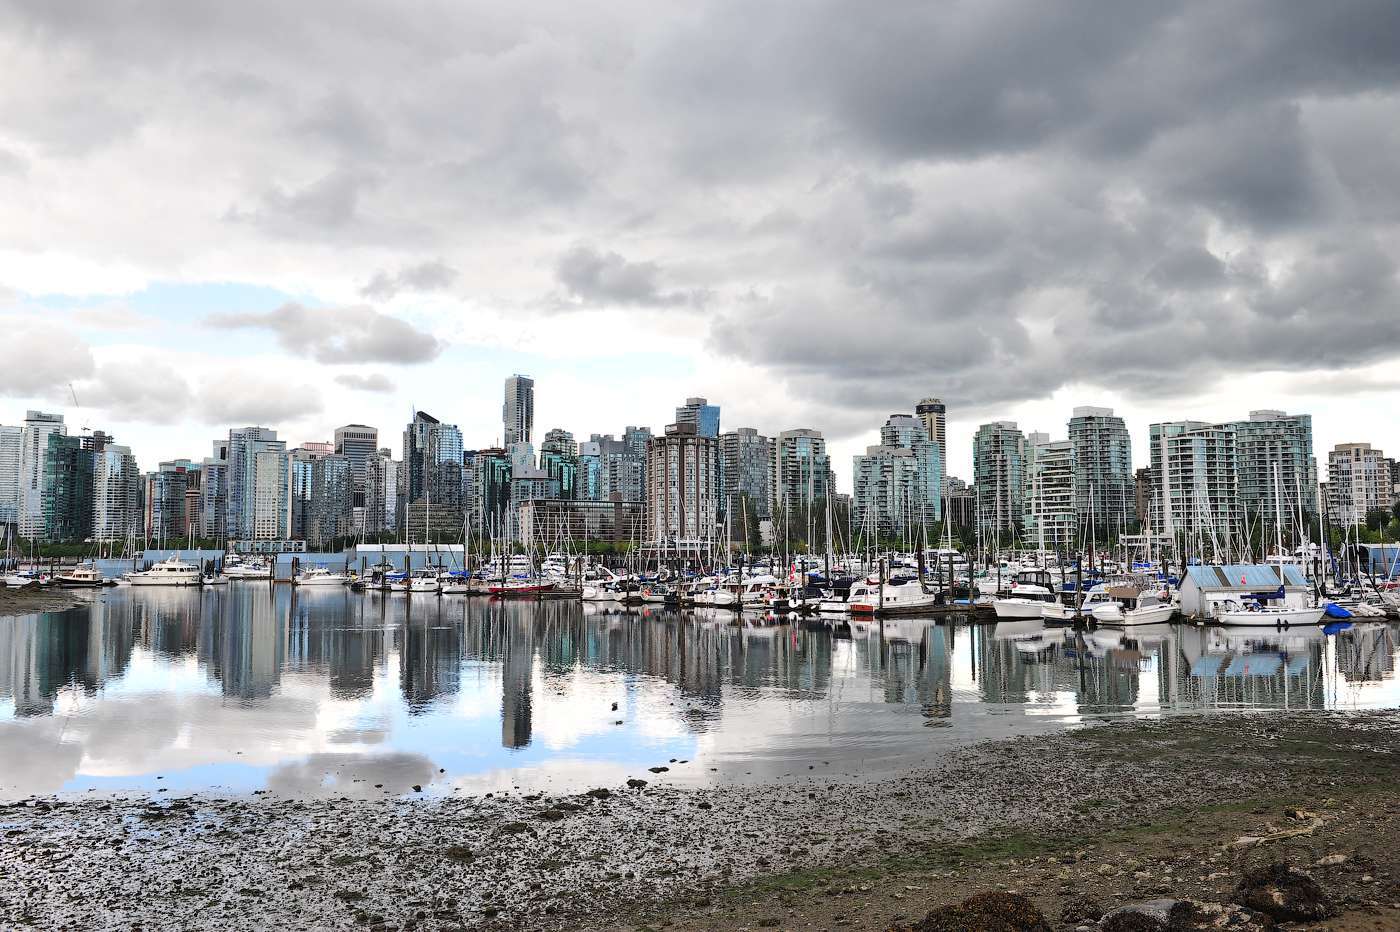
[306, 693]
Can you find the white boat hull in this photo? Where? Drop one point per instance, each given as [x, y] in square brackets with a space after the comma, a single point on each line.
[1271, 618]
[163, 580]
[1019, 608]
[1113, 615]
[321, 581]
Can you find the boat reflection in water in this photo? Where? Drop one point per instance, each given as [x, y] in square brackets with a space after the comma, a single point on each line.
[308, 691]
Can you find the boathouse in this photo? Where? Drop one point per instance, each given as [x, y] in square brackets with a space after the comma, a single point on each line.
[1206, 585]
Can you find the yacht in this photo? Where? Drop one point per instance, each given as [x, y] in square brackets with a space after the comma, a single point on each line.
[1030, 591]
[235, 567]
[83, 576]
[898, 596]
[319, 576]
[169, 572]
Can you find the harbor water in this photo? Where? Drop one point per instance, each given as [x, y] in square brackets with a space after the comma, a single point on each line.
[258, 687]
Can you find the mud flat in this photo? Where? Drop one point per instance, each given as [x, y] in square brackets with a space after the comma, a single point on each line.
[1078, 823]
[33, 599]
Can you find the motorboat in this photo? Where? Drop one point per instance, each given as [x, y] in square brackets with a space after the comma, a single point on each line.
[1029, 593]
[419, 583]
[1130, 607]
[19, 581]
[754, 594]
[718, 596]
[898, 596]
[83, 576]
[320, 576]
[600, 592]
[168, 572]
[1064, 613]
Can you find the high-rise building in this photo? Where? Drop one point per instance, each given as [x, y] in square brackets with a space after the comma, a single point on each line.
[213, 494]
[1358, 480]
[1142, 495]
[682, 486]
[432, 459]
[11, 445]
[934, 413]
[166, 515]
[528, 484]
[67, 496]
[1051, 477]
[911, 433]
[622, 465]
[1277, 470]
[999, 474]
[885, 501]
[255, 509]
[746, 471]
[38, 425]
[381, 509]
[332, 512]
[358, 443]
[559, 459]
[490, 504]
[1195, 483]
[559, 440]
[636, 440]
[301, 464]
[116, 496]
[1103, 470]
[699, 413]
[266, 511]
[962, 503]
[589, 485]
[801, 470]
[518, 412]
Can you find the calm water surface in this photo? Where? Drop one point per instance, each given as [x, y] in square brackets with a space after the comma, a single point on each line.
[254, 687]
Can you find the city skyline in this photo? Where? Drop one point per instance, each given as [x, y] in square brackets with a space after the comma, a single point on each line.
[1055, 430]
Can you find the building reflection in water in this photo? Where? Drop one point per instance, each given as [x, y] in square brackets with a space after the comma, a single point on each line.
[250, 638]
[42, 655]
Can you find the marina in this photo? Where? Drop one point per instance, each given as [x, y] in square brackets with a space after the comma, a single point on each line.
[312, 691]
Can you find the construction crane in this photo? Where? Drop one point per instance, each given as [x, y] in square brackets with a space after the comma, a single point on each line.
[78, 410]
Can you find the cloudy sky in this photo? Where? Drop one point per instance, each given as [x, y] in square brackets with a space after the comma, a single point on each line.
[815, 214]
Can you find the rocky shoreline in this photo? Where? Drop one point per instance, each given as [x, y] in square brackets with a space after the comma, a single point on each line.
[1102, 816]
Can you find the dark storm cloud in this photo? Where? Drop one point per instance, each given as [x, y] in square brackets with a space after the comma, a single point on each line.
[434, 275]
[984, 199]
[356, 334]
